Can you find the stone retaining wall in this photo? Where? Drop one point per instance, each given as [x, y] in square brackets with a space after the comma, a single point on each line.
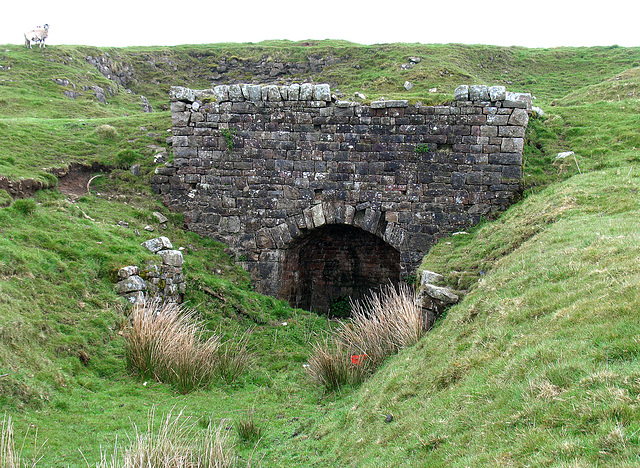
[261, 167]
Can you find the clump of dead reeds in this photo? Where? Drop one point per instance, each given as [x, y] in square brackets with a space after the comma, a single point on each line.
[330, 364]
[174, 444]
[9, 456]
[383, 323]
[380, 325]
[166, 342]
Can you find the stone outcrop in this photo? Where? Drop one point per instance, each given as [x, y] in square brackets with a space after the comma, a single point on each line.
[122, 74]
[262, 167]
[434, 299]
[219, 70]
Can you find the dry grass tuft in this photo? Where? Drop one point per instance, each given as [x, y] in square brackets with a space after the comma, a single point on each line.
[9, 458]
[165, 341]
[174, 445]
[106, 132]
[543, 390]
[384, 323]
[381, 325]
[614, 441]
[331, 367]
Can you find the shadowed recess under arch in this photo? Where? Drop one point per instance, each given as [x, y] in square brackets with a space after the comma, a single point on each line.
[335, 262]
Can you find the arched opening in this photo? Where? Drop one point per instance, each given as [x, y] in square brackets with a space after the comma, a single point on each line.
[335, 262]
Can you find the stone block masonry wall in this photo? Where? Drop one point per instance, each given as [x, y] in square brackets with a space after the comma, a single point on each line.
[261, 167]
[164, 280]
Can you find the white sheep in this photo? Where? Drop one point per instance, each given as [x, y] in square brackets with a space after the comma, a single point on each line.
[36, 35]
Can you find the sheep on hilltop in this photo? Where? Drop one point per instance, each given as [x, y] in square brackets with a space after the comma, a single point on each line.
[39, 34]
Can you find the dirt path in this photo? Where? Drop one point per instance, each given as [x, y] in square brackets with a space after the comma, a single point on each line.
[74, 181]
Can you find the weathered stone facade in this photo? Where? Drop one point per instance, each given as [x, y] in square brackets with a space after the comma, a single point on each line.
[263, 168]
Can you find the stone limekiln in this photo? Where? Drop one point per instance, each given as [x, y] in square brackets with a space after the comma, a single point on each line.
[322, 199]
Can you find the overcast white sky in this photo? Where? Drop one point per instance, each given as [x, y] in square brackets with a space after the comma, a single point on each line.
[118, 23]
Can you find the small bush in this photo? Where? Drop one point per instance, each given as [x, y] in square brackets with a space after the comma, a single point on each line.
[106, 132]
[126, 158]
[228, 134]
[175, 444]
[26, 206]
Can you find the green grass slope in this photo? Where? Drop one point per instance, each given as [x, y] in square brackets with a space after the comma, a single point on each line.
[621, 87]
[537, 366]
[61, 344]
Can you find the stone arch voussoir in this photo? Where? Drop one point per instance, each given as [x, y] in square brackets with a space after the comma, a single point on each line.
[367, 218]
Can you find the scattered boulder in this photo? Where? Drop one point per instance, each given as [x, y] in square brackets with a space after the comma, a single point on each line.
[434, 299]
[408, 85]
[430, 277]
[98, 92]
[146, 107]
[158, 244]
[71, 94]
[444, 295]
[162, 219]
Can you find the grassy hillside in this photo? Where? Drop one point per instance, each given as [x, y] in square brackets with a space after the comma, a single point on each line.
[537, 366]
